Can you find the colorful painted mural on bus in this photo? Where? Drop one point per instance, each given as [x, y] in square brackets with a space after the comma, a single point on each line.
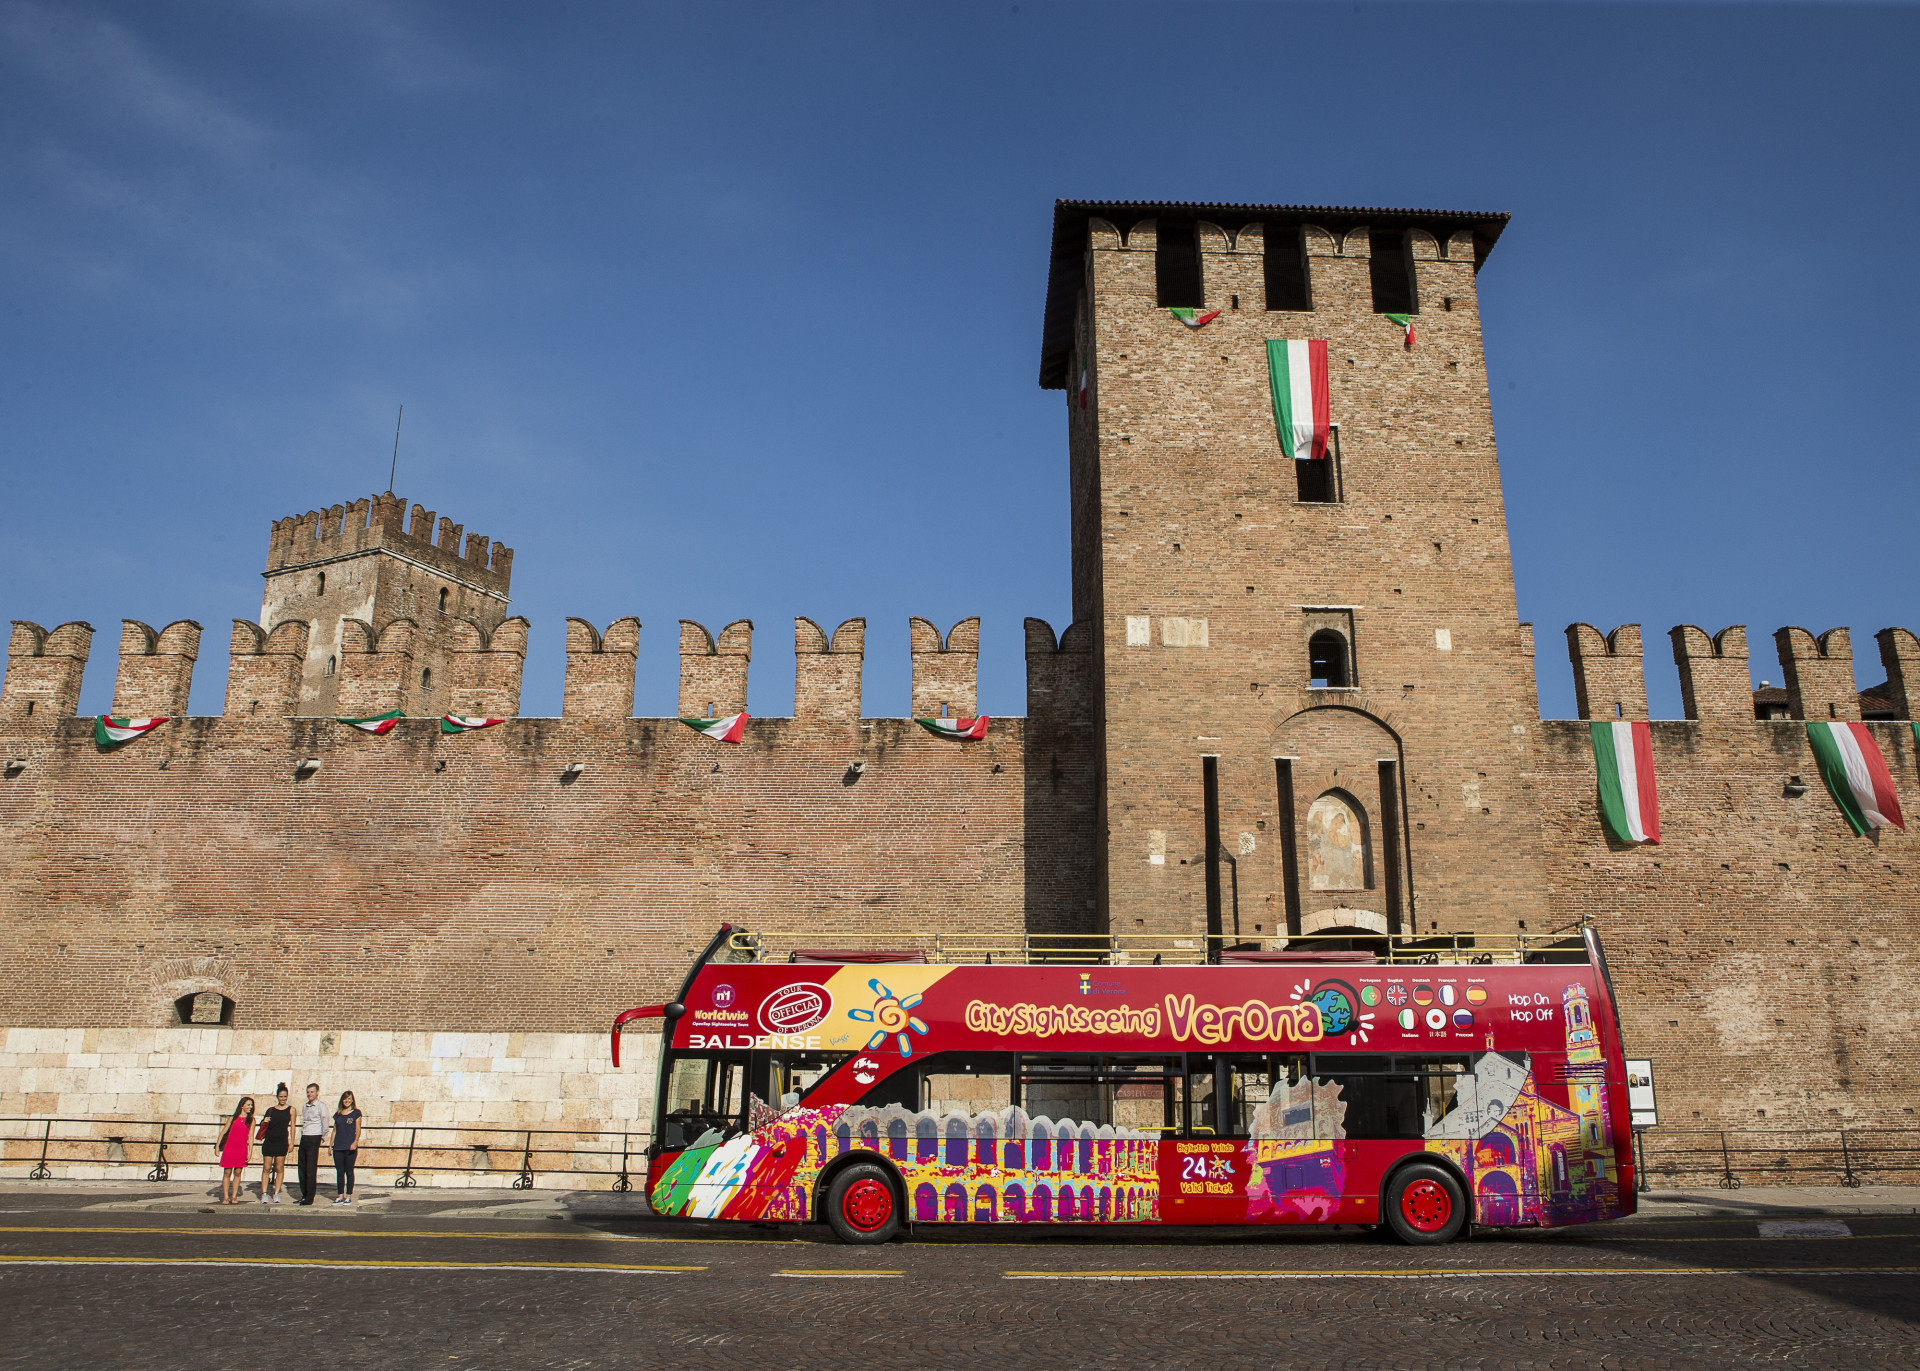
[994, 1167]
[1296, 1165]
[1528, 1159]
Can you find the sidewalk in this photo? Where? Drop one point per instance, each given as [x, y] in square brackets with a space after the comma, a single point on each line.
[1773, 1201]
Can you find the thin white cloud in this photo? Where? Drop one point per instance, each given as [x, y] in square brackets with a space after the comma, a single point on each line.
[101, 67]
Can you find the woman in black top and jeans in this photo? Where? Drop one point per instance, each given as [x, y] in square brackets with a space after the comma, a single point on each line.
[346, 1147]
[275, 1125]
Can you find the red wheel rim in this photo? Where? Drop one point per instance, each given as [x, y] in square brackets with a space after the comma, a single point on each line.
[1426, 1205]
[868, 1204]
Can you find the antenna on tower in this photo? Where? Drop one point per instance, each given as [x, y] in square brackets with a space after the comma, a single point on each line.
[395, 468]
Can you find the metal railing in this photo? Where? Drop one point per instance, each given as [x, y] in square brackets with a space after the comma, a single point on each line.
[156, 1149]
[1156, 949]
[1736, 1157]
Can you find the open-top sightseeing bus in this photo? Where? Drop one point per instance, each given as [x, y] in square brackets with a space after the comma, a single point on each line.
[1420, 1086]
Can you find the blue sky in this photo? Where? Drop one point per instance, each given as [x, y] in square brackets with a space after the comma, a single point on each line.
[721, 311]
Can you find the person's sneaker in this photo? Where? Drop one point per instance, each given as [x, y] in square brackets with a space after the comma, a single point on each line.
[265, 1198]
[339, 1199]
[346, 1199]
[279, 1197]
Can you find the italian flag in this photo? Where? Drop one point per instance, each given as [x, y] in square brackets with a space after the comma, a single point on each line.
[1194, 318]
[1856, 773]
[1629, 800]
[465, 723]
[111, 732]
[1406, 322]
[956, 728]
[728, 730]
[1301, 410]
[375, 723]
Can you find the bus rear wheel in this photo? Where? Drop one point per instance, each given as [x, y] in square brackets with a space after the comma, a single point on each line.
[1425, 1205]
[862, 1205]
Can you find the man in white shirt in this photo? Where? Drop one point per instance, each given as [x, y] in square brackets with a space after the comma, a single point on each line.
[313, 1127]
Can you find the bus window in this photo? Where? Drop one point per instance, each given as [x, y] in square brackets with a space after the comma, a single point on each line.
[1250, 1083]
[792, 1075]
[1147, 1093]
[1397, 1097]
[1063, 1088]
[967, 1083]
[706, 1092]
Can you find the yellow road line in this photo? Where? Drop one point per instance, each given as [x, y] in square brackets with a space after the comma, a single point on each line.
[843, 1275]
[321, 1264]
[587, 1235]
[1458, 1273]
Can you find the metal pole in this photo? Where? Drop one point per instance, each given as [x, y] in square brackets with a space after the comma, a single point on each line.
[1852, 1182]
[159, 1172]
[405, 1180]
[1640, 1151]
[524, 1181]
[621, 1184]
[40, 1172]
[1728, 1181]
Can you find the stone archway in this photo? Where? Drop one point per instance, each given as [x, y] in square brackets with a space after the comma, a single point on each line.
[1344, 839]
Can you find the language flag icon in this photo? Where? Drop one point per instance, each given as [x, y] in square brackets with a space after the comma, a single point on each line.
[1436, 1018]
[1396, 994]
[1476, 994]
[1446, 994]
[1406, 1018]
[1463, 1018]
[1369, 994]
[1423, 994]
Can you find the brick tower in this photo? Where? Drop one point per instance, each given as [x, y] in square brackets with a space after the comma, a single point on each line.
[370, 587]
[1316, 697]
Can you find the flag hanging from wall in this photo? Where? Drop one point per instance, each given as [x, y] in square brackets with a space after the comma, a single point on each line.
[728, 730]
[111, 732]
[1301, 406]
[1194, 318]
[1406, 322]
[465, 723]
[375, 723]
[1856, 774]
[956, 728]
[1629, 799]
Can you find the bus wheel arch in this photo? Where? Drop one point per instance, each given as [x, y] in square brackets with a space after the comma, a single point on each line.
[1424, 1199]
[864, 1169]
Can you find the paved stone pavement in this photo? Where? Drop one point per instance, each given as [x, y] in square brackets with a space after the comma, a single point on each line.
[588, 1282]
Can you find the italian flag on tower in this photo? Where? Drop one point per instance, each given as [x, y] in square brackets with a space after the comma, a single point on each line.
[1302, 411]
[465, 723]
[111, 732]
[728, 730]
[1629, 800]
[973, 729]
[1851, 765]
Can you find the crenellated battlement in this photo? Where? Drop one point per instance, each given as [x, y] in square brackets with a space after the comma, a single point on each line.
[1609, 672]
[380, 522]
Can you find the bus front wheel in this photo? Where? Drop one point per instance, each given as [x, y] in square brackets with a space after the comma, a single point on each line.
[1425, 1205]
[862, 1204]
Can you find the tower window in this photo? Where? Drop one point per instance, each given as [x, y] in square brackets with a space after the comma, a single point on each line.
[320, 585]
[29, 709]
[1176, 265]
[331, 663]
[1288, 284]
[1318, 482]
[1391, 267]
[426, 678]
[443, 599]
[1329, 665]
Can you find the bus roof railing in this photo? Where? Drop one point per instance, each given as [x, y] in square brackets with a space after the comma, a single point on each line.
[1155, 949]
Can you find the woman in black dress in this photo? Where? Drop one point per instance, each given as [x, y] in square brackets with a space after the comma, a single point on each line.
[275, 1125]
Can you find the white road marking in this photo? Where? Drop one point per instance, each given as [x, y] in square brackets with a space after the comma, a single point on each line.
[1804, 1228]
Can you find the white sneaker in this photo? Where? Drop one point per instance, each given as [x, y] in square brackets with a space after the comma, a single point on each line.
[265, 1198]
[339, 1199]
[346, 1199]
[279, 1197]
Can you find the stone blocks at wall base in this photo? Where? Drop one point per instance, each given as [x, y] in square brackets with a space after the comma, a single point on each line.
[442, 1091]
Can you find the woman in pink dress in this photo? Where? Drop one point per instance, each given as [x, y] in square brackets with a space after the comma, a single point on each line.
[236, 1142]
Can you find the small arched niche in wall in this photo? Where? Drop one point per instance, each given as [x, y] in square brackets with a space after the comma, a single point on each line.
[204, 1009]
[1338, 855]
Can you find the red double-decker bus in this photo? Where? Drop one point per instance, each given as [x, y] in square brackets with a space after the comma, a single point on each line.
[1420, 1086]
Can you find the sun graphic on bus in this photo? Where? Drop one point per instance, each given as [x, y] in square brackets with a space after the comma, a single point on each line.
[1339, 1007]
[889, 1015]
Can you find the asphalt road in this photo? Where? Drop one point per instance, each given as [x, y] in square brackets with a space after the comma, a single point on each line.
[251, 1287]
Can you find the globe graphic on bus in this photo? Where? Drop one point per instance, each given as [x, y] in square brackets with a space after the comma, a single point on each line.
[1336, 1007]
